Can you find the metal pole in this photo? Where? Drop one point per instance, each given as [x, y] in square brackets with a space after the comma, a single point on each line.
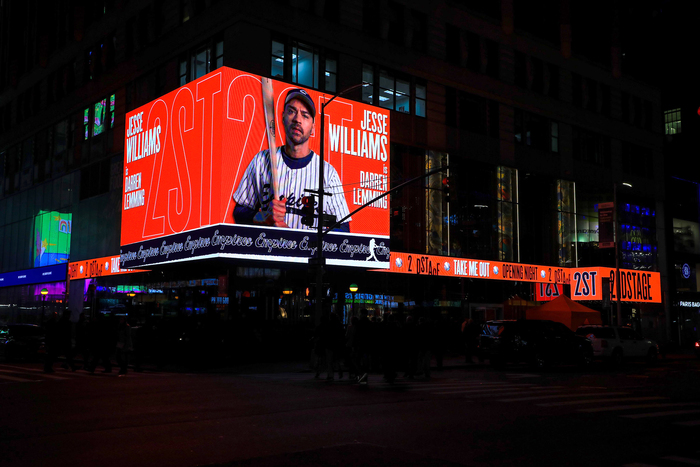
[320, 262]
[617, 257]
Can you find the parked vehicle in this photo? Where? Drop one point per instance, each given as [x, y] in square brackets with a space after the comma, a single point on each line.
[21, 341]
[617, 343]
[696, 347]
[537, 342]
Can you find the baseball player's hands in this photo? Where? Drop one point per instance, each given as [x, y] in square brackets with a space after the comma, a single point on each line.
[279, 210]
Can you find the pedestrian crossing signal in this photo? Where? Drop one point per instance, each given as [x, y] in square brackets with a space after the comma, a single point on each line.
[446, 188]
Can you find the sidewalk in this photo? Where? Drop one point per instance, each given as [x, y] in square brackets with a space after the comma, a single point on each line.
[303, 366]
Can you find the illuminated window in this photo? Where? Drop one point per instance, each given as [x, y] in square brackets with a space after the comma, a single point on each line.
[566, 223]
[277, 68]
[303, 64]
[331, 75]
[100, 116]
[421, 98]
[112, 100]
[390, 91]
[507, 213]
[672, 121]
[86, 123]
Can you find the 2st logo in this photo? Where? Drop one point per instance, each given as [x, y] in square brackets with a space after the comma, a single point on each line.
[549, 290]
[584, 284]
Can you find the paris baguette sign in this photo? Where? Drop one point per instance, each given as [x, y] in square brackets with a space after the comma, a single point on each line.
[189, 151]
[586, 283]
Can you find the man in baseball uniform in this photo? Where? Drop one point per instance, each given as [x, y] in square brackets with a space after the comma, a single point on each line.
[297, 168]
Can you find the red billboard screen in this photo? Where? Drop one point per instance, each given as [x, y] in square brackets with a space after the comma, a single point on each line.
[199, 157]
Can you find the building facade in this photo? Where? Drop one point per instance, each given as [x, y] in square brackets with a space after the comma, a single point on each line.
[535, 114]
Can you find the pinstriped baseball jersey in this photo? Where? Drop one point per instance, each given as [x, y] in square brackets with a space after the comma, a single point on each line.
[296, 176]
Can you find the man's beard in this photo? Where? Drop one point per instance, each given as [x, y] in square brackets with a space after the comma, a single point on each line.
[297, 138]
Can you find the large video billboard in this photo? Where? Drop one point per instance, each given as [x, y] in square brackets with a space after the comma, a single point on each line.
[52, 234]
[199, 153]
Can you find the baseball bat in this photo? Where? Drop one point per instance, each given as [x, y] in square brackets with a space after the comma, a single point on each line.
[269, 106]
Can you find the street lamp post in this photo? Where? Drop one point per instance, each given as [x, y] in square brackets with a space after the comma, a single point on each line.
[319, 262]
[44, 292]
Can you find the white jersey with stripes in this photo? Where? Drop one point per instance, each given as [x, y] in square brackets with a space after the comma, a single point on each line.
[295, 177]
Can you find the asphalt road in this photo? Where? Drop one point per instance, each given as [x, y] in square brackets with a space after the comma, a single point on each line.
[280, 415]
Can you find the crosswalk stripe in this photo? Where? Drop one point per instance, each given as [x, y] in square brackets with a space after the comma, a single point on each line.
[690, 423]
[13, 367]
[494, 391]
[597, 401]
[683, 460]
[636, 406]
[473, 387]
[525, 391]
[584, 394]
[63, 374]
[661, 414]
[21, 370]
[17, 380]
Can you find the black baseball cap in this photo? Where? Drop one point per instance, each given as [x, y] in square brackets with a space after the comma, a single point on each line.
[304, 97]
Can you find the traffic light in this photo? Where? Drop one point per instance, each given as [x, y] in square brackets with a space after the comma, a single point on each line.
[446, 188]
[307, 210]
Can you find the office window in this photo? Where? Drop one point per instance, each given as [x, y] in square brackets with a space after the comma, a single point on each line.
[672, 121]
[331, 75]
[201, 60]
[507, 213]
[453, 48]
[394, 93]
[566, 223]
[554, 126]
[637, 160]
[421, 98]
[98, 125]
[536, 131]
[591, 147]
[190, 8]
[277, 68]
[368, 87]
[99, 117]
[400, 93]
[304, 64]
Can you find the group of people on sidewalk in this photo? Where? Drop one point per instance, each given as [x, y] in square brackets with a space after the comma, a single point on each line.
[387, 346]
[95, 341]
